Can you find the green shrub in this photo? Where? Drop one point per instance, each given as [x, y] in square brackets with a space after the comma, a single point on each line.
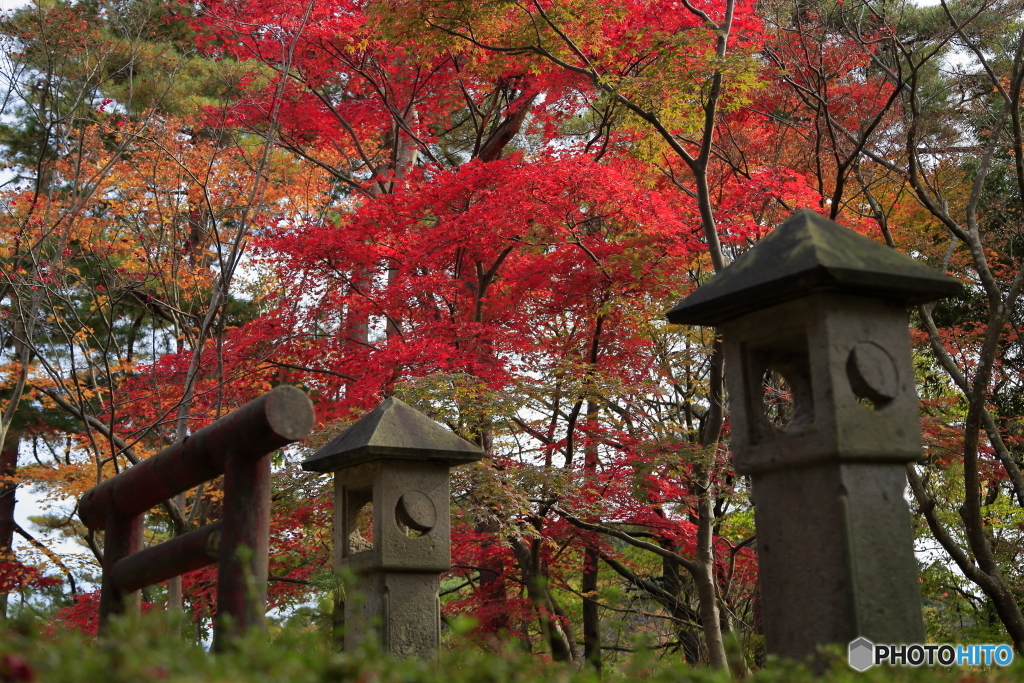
[146, 652]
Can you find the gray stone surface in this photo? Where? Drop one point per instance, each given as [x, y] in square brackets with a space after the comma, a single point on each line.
[401, 608]
[811, 343]
[825, 308]
[392, 430]
[395, 461]
[382, 485]
[835, 554]
[810, 253]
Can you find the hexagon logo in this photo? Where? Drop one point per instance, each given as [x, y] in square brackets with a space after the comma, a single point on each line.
[862, 654]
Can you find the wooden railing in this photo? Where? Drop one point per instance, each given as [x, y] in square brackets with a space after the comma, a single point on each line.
[237, 446]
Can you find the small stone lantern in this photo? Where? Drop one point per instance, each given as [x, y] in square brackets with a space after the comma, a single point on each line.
[825, 308]
[395, 460]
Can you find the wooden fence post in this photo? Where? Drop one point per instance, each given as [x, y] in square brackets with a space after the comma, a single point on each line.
[242, 574]
[122, 538]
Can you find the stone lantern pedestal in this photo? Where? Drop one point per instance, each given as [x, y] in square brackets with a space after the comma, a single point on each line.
[825, 309]
[394, 461]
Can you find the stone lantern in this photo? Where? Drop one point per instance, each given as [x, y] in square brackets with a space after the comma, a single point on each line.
[825, 309]
[394, 461]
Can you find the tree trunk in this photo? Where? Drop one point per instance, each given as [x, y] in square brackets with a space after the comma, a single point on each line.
[707, 590]
[555, 634]
[591, 618]
[8, 468]
[175, 598]
[493, 588]
[588, 585]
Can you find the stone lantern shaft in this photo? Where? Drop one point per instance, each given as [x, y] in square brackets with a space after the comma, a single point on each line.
[818, 312]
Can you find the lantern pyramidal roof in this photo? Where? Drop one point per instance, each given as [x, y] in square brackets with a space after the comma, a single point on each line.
[806, 254]
[392, 431]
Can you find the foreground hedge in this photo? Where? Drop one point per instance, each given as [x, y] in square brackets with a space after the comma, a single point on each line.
[145, 653]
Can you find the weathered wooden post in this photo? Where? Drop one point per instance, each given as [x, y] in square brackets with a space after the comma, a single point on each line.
[825, 308]
[396, 460]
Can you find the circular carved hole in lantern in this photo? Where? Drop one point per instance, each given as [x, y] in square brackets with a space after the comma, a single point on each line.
[873, 375]
[415, 513]
[778, 398]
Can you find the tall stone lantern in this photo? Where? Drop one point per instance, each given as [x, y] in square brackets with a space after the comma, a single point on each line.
[825, 309]
[394, 461]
